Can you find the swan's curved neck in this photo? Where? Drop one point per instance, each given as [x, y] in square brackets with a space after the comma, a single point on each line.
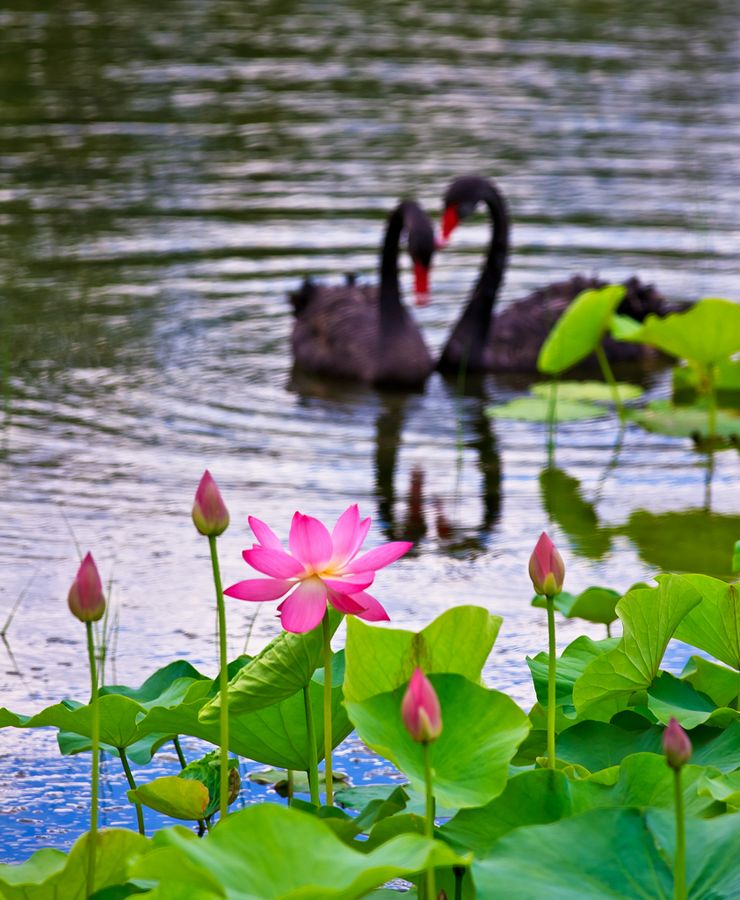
[391, 309]
[467, 342]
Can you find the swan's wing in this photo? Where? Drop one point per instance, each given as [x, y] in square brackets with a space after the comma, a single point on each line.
[336, 332]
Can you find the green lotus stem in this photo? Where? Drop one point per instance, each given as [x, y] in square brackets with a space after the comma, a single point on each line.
[178, 749]
[606, 371]
[223, 683]
[95, 737]
[551, 671]
[459, 873]
[328, 732]
[313, 763]
[291, 786]
[431, 891]
[608, 629]
[132, 785]
[679, 864]
[711, 404]
[551, 418]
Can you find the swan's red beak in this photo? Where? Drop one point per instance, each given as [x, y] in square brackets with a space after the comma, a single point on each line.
[421, 283]
[450, 221]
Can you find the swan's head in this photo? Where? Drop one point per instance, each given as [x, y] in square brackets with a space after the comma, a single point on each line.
[460, 201]
[421, 246]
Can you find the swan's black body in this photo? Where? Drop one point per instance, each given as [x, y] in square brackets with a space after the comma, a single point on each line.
[364, 333]
[511, 340]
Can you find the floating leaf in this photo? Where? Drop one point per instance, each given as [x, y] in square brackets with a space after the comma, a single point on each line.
[268, 852]
[536, 409]
[580, 328]
[706, 333]
[382, 659]
[649, 618]
[663, 417]
[614, 847]
[481, 732]
[589, 391]
[51, 874]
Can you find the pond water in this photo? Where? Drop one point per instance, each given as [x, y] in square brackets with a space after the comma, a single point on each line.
[168, 173]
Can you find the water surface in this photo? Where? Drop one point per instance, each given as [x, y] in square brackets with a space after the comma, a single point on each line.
[168, 174]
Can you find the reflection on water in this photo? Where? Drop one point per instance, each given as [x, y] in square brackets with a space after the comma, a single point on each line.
[168, 174]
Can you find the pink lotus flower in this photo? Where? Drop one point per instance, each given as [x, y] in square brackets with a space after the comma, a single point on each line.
[420, 709]
[546, 568]
[320, 567]
[85, 598]
[210, 515]
[676, 745]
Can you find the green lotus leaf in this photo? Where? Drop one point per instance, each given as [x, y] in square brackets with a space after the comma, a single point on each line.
[723, 788]
[268, 852]
[382, 659]
[284, 667]
[736, 558]
[569, 667]
[689, 382]
[537, 409]
[649, 618]
[481, 731]
[693, 540]
[595, 604]
[662, 417]
[717, 682]
[166, 686]
[673, 698]
[118, 719]
[173, 796]
[707, 333]
[542, 795]
[580, 329]
[274, 735]
[714, 625]
[53, 875]
[590, 391]
[616, 848]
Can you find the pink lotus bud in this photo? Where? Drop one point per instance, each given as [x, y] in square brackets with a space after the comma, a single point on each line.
[210, 515]
[85, 597]
[676, 745]
[420, 709]
[546, 568]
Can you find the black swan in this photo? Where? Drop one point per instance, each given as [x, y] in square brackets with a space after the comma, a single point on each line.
[511, 341]
[362, 332]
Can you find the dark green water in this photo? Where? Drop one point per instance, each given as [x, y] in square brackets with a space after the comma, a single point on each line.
[168, 172]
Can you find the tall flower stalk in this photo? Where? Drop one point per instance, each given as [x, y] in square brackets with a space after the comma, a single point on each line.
[422, 716]
[547, 571]
[328, 729]
[313, 766]
[677, 748]
[211, 518]
[87, 603]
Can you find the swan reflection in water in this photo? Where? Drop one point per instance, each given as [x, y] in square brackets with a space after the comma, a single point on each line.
[437, 430]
